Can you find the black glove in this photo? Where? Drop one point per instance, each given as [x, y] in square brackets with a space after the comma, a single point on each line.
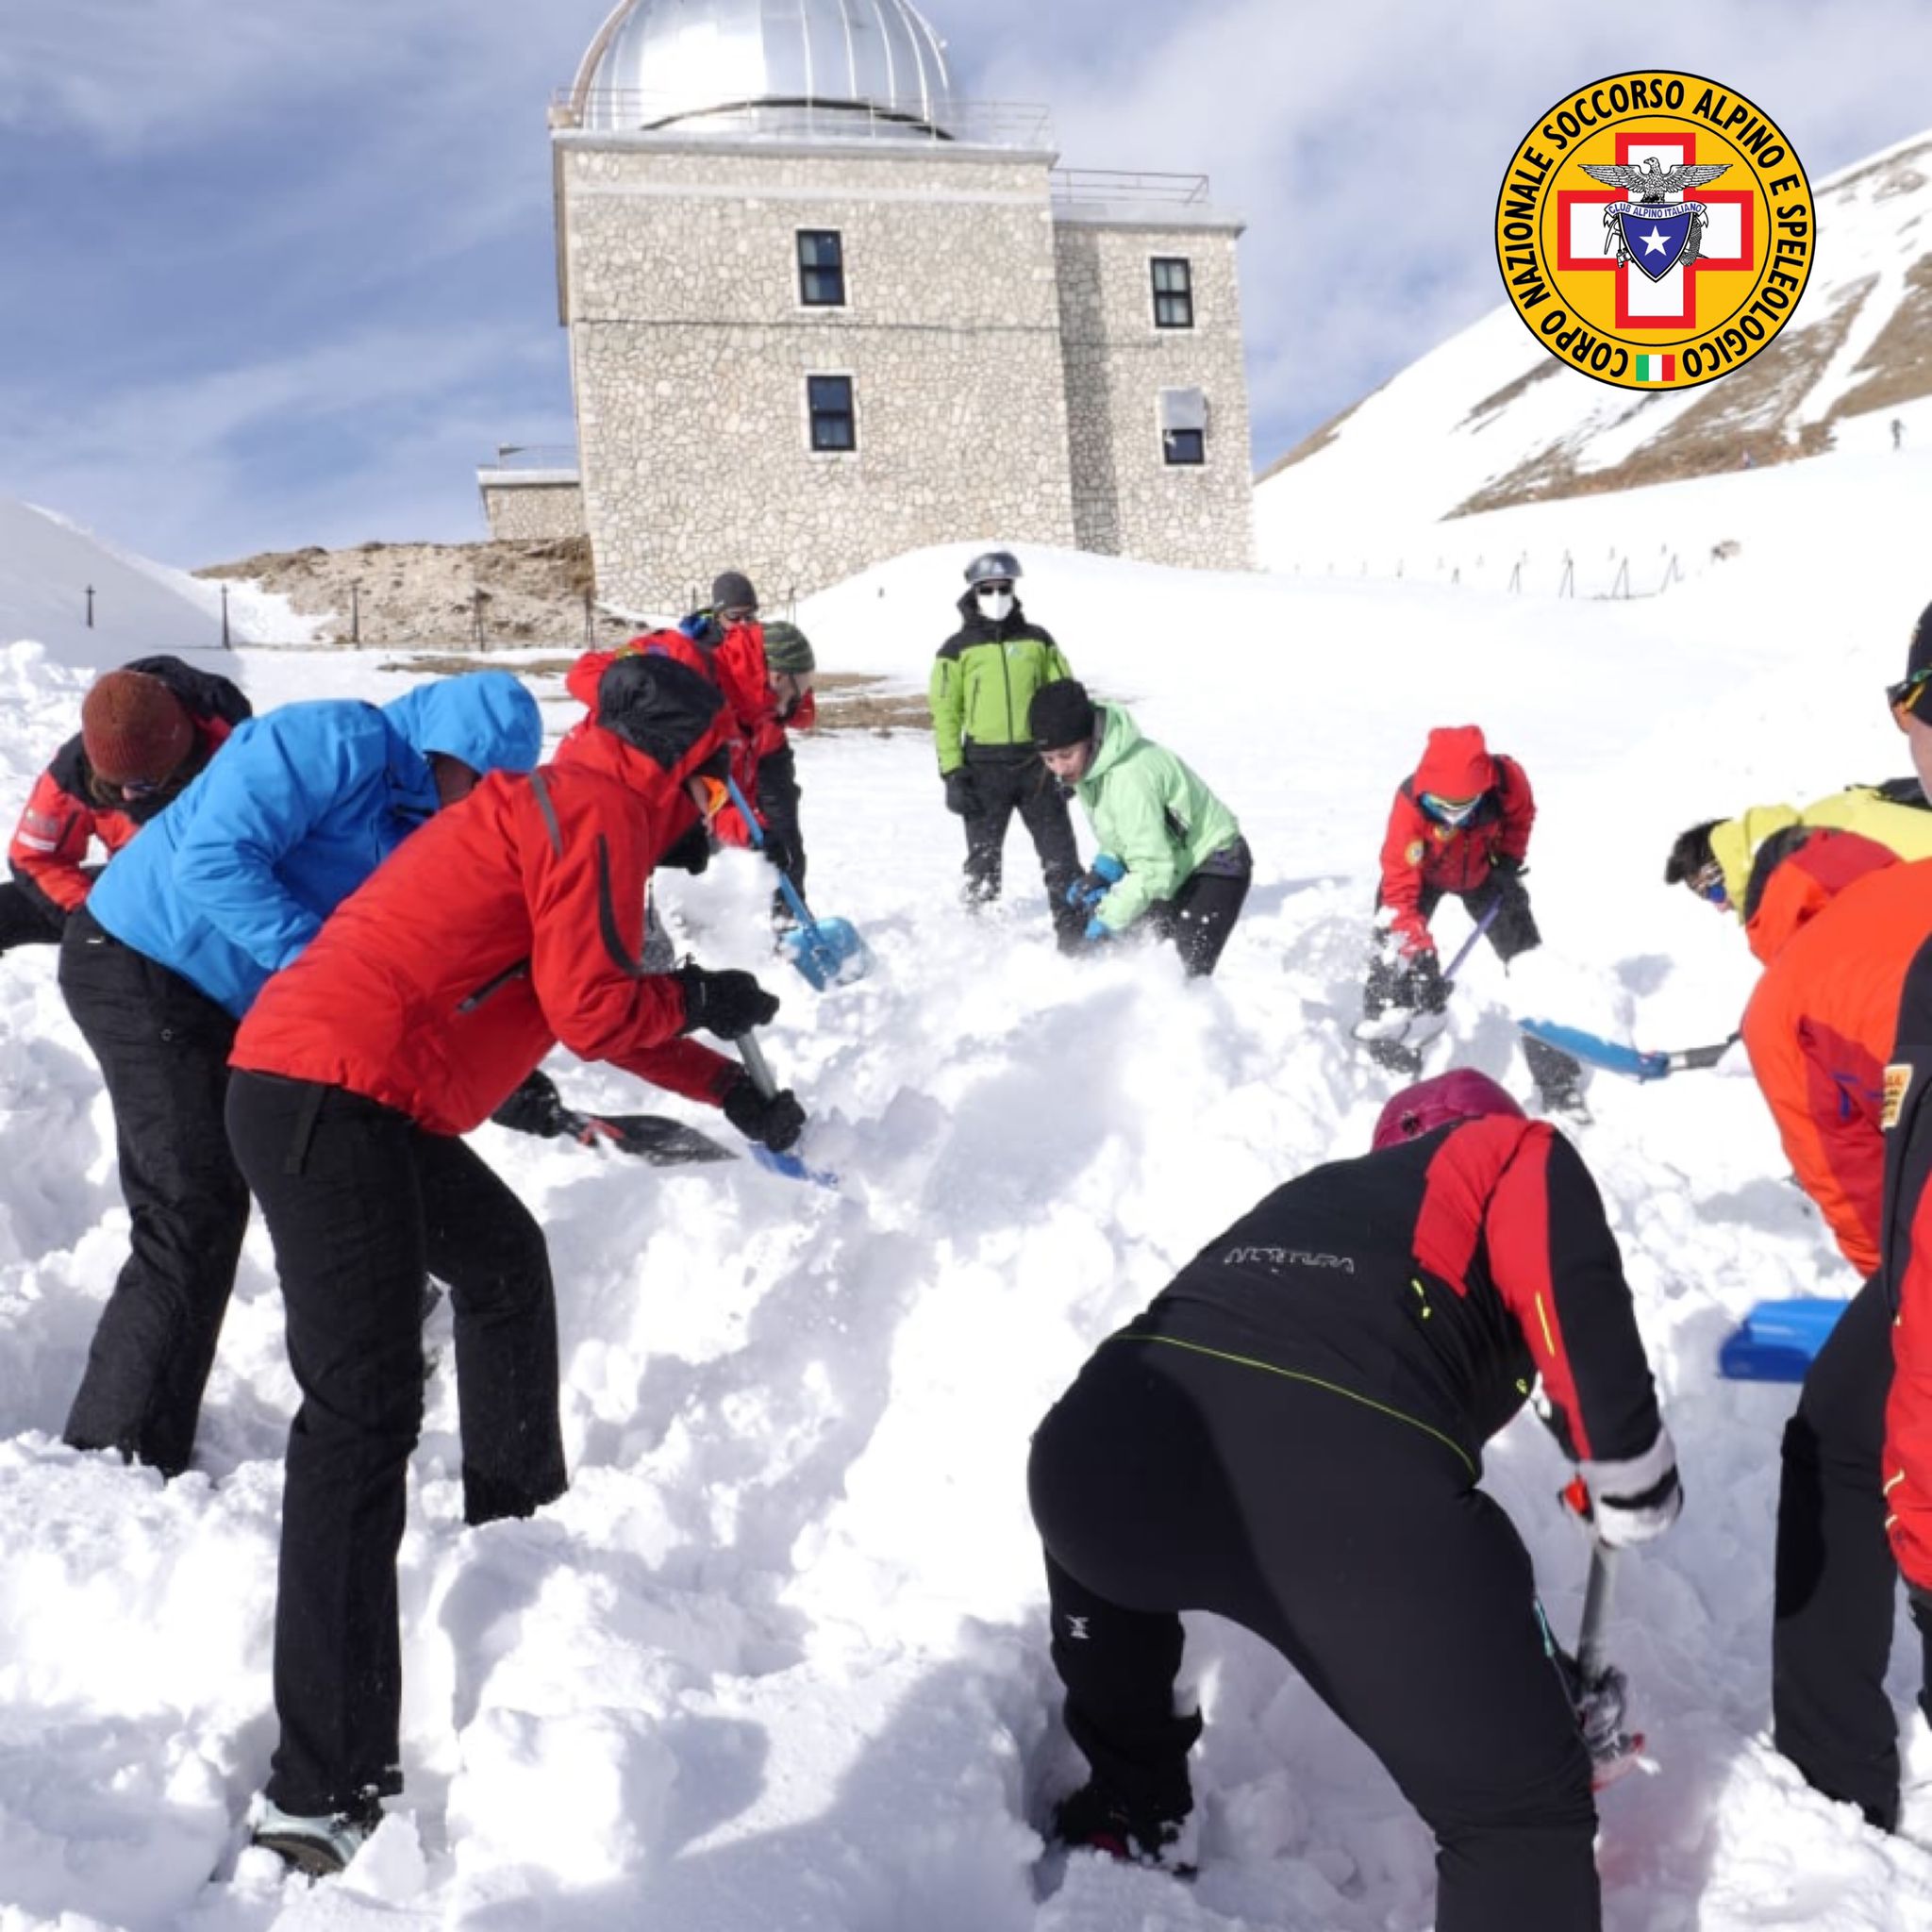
[1506, 866]
[692, 852]
[535, 1108]
[726, 1004]
[1424, 991]
[780, 855]
[962, 795]
[778, 1121]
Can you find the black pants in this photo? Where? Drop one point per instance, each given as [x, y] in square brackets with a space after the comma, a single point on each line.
[163, 1051]
[1360, 1548]
[1837, 1582]
[361, 1204]
[1003, 787]
[1512, 932]
[27, 919]
[1199, 919]
[778, 801]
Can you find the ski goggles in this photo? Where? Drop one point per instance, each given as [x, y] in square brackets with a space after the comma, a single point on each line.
[1905, 696]
[1451, 811]
[1707, 882]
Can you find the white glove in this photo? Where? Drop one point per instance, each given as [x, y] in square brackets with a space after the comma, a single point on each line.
[1631, 1502]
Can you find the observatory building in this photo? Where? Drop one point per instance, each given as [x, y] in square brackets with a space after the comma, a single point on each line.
[823, 311]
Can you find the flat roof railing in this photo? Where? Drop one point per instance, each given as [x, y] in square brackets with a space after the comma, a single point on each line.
[1114, 188]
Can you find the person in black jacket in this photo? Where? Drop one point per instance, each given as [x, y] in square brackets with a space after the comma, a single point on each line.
[1290, 1436]
[146, 731]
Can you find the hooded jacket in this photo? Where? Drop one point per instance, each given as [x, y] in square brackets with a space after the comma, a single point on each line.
[1423, 855]
[1837, 918]
[68, 808]
[1894, 814]
[232, 881]
[1151, 813]
[1907, 1262]
[983, 682]
[515, 921]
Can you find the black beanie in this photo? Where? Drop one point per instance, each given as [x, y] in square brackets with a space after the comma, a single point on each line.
[1920, 658]
[731, 591]
[1062, 715]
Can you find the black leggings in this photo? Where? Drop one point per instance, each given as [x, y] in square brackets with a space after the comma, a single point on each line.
[1358, 1545]
[1836, 1583]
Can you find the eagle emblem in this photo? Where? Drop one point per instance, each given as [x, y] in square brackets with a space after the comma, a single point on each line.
[1652, 233]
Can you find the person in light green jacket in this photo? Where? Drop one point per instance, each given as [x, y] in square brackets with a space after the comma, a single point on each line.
[1172, 858]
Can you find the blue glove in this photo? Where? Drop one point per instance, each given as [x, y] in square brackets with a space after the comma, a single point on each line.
[1096, 931]
[1093, 885]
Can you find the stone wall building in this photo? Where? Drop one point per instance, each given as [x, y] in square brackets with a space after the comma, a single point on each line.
[821, 312]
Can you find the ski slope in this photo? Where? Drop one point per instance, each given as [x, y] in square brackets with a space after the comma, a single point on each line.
[780, 1659]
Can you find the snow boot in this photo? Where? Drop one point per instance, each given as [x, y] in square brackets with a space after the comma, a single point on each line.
[319, 1847]
[1097, 1819]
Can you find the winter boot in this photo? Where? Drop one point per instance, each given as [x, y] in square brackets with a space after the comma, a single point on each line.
[1095, 1818]
[319, 1846]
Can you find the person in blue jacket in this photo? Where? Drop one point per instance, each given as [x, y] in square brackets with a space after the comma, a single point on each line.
[222, 890]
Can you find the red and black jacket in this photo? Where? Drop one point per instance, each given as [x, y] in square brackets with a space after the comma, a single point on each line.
[69, 808]
[1905, 1228]
[1435, 1280]
[1420, 855]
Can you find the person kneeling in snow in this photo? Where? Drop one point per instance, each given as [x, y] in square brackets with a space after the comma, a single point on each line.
[509, 923]
[1170, 851]
[1459, 828]
[1290, 1436]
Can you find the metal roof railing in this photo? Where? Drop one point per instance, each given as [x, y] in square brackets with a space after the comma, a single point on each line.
[1114, 188]
[805, 117]
[533, 456]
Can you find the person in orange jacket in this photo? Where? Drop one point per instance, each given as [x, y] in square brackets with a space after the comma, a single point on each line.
[1837, 919]
[511, 921]
[145, 731]
[1459, 827]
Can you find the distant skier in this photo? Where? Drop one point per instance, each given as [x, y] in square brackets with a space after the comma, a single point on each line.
[175, 942]
[507, 926]
[1171, 854]
[983, 682]
[145, 731]
[1459, 828]
[1290, 1436]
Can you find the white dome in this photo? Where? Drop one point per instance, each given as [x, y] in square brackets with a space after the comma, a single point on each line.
[816, 67]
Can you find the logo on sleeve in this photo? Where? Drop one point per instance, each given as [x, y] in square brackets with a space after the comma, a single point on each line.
[1654, 231]
[1414, 854]
[1898, 1077]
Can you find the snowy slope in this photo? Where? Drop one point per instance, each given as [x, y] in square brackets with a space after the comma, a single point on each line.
[47, 566]
[1491, 417]
[778, 1660]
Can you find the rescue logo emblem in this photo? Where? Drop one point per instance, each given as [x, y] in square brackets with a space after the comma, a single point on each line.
[1654, 231]
[1898, 1078]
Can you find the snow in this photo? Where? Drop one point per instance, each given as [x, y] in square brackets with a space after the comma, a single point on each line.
[778, 1659]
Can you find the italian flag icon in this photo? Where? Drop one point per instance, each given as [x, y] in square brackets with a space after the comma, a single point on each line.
[1656, 369]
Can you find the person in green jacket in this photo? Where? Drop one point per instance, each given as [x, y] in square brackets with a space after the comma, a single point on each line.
[1171, 852]
[983, 680]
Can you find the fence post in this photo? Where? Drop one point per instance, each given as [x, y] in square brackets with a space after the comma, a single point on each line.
[476, 605]
[356, 615]
[1455, 574]
[1516, 575]
[590, 623]
[89, 606]
[1621, 588]
[227, 643]
[1567, 588]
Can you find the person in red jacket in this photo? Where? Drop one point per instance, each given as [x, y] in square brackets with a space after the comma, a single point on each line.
[145, 731]
[1290, 1436]
[1459, 827]
[511, 921]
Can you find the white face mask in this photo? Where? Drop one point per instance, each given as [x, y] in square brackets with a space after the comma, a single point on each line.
[995, 605]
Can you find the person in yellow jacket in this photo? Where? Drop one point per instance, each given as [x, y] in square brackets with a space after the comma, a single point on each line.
[1715, 858]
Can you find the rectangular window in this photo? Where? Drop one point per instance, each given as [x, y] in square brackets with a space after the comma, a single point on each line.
[820, 268]
[1173, 293]
[1183, 426]
[829, 400]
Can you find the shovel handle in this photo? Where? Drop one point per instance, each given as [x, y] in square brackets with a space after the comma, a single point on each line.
[756, 1064]
[1591, 1659]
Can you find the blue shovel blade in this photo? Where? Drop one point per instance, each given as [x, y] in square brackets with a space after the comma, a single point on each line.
[1778, 1341]
[791, 1167]
[829, 952]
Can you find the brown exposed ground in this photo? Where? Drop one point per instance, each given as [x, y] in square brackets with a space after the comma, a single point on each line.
[1313, 440]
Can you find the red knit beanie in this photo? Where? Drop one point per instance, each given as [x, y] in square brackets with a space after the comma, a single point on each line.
[135, 729]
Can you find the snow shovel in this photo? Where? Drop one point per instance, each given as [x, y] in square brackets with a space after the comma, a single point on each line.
[753, 1055]
[1593, 1050]
[651, 1136]
[1778, 1341]
[1404, 1027]
[828, 952]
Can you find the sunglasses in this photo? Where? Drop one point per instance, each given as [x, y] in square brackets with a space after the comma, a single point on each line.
[738, 613]
[1903, 697]
[993, 589]
[1452, 811]
[139, 788]
[1707, 882]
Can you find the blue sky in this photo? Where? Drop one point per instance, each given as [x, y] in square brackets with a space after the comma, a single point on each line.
[283, 275]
